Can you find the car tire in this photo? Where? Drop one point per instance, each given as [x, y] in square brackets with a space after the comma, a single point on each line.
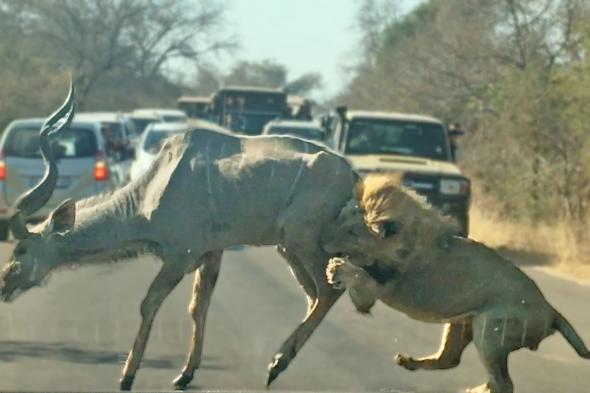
[4, 230]
[464, 225]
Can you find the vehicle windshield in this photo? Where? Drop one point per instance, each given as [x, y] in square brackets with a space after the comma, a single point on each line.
[375, 136]
[154, 139]
[195, 109]
[142, 123]
[300, 132]
[174, 118]
[75, 142]
[253, 101]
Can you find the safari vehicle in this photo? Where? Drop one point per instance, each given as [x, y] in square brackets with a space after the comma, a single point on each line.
[83, 166]
[195, 107]
[416, 145]
[309, 130]
[246, 110]
[299, 108]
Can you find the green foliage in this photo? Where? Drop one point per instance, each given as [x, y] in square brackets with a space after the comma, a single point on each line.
[516, 75]
[410, 25]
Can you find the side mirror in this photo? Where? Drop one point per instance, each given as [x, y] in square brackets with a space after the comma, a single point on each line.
[341, 111]
[456, 133]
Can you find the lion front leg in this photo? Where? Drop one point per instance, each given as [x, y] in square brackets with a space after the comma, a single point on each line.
[456, 337]
[362, 288]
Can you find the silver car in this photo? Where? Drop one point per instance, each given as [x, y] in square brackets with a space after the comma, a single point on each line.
[150, 144]
[83, 166]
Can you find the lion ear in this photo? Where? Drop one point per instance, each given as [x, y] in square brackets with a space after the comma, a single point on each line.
[385, 229]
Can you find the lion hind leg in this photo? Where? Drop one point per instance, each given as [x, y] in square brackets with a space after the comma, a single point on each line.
[456, 337]
[494, 339]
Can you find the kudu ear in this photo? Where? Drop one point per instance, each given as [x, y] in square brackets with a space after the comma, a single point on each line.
[63, 217]
[385, 229]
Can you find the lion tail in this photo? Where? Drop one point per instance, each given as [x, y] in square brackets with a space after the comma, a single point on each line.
[570, 334]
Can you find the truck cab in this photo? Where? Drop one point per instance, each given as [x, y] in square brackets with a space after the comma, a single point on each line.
[416, 145]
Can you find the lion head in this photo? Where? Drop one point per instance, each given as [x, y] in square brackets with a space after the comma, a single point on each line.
[385, 221]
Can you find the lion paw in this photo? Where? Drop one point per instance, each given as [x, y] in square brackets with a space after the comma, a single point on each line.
[485, 388]
[406, 362]
[335, 273]
[343, 274]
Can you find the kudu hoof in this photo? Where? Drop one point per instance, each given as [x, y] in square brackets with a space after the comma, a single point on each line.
[182, 381]
[279, 364]
[126, 382]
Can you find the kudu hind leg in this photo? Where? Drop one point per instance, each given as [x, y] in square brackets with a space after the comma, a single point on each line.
[326, 296]
[205, 280]
[166, 280]
[301, 275]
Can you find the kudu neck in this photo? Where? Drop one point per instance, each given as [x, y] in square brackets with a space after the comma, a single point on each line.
[101, 234]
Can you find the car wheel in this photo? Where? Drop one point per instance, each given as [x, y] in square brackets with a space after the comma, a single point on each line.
[4, 230]
[464, 225]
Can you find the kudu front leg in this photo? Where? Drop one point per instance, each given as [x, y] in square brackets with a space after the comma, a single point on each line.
[205, 280]
[166, 280]
[325, 297]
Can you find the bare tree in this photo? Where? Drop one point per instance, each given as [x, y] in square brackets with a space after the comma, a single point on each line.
[373, 17]
[269, 73]
[98, 37]
[167, 30]
[304, 84]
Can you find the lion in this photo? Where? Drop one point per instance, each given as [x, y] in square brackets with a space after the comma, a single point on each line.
[403, 252]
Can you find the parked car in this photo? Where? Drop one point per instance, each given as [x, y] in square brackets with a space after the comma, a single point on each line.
[83, 166]
[120, 137]
[142, 120]
[309, 130]
[165, 115]
[118, 129]
[150, 144]
[416, 145]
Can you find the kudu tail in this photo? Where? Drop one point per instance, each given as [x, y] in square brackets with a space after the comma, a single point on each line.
[570, 334]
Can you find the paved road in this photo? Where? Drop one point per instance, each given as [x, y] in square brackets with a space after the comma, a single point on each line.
[73, 333]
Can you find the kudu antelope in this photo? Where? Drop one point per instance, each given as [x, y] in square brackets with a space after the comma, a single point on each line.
[207, 190]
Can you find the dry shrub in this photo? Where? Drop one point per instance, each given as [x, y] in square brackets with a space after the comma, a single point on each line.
[552, 243]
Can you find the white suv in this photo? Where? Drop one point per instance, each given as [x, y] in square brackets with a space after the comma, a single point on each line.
[415, 145]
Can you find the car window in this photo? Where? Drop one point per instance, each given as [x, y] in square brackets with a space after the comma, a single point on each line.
[154, 139]
[141, 124]
[114, 129]
[374, 136]
[75, 142]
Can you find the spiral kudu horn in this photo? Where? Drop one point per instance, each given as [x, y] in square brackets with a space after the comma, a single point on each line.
[35, 198]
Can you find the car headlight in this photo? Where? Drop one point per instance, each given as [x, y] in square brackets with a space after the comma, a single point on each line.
[454, 186]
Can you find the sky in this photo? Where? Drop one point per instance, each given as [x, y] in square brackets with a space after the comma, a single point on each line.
[304, 35]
